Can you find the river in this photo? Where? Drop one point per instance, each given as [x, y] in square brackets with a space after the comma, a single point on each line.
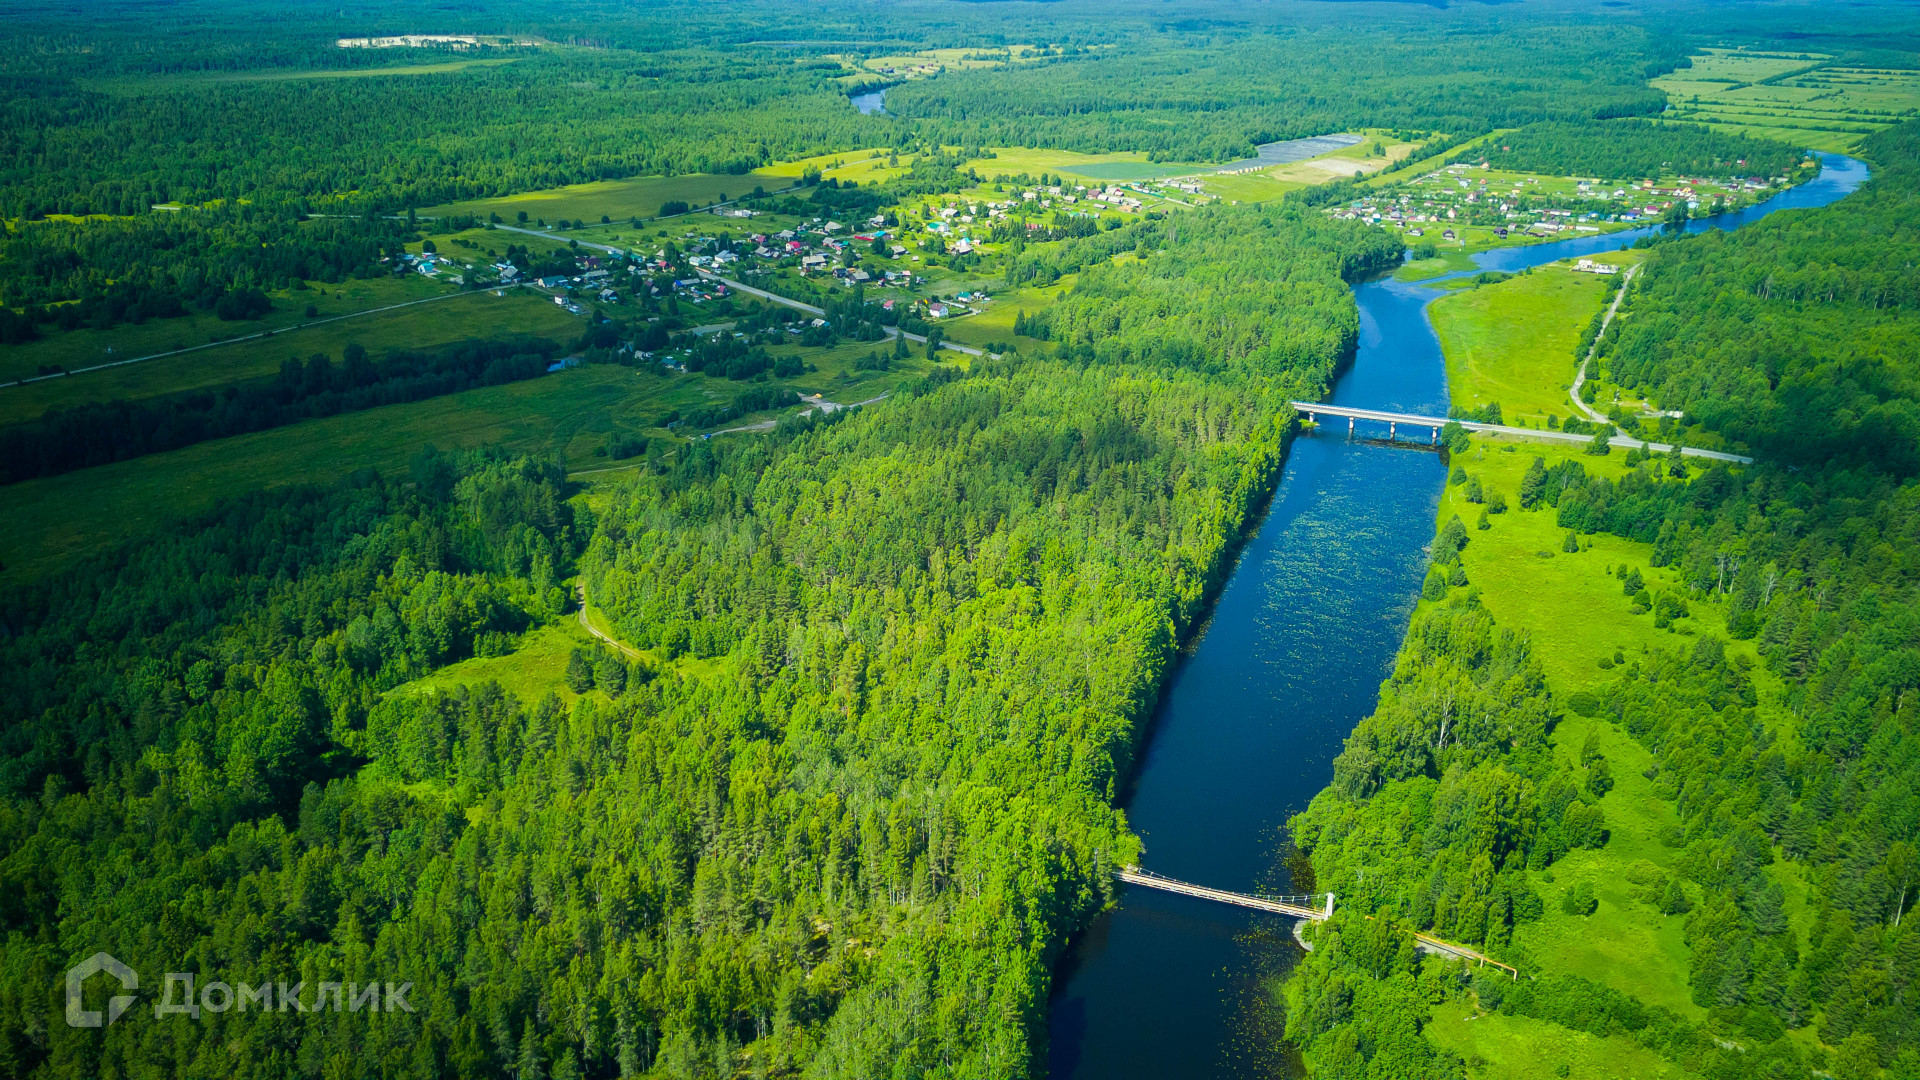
[1166, 987]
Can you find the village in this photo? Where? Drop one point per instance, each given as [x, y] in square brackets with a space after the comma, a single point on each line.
[1443, 204]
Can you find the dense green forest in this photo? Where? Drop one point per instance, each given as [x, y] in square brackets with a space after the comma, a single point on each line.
[1235, 91]
[1451, 787]
[931, 633]
[643, 104]
[1624, 149]
[99, 273]
[851, 780]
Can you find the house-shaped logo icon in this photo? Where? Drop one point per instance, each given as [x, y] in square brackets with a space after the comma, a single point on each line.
[76, 986]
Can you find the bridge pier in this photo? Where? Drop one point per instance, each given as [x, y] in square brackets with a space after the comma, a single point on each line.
[1349, 427]
[1392, 427]
[1436, 438]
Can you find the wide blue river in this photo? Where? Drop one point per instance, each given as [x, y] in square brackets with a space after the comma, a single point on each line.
[1167, 987]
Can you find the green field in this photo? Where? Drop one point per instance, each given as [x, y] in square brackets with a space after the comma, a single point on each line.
[71, 349]
[1792, 97]
[1513, 342]
[459, 317]
[995, 324]
[1501, 1047]
[1576, 612]
[620, 200]
[1128, 165]
[538, 666]
[642, 196]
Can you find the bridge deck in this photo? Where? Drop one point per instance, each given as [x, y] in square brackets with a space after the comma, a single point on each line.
[1258, 903]
[1315, 409]
[1285, 906]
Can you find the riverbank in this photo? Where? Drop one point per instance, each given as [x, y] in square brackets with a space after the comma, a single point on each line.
[1590, 893]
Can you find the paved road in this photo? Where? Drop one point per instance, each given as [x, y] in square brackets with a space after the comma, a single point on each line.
[1617, 440]
[1431, 422]
[252, 337]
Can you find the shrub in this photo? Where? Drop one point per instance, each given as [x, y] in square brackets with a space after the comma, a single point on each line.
[1579, 899]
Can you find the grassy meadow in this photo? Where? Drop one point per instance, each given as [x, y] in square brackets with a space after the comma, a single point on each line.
[1513, 342]
[1577, 613]
[1501, 1047]
[535, 668]
[71, 349]
[458, 317]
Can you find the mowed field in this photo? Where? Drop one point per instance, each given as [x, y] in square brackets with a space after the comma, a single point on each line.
[620, 200]
[519, 313]
[1793, 97]
[995, 324]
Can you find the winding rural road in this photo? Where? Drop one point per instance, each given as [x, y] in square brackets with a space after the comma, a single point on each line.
[1580, 375]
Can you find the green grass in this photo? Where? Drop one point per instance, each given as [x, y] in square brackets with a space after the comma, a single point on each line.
[1450, 260]
[1826, 108]
[995, 324]
[1513, 342]
[1250, 187]
[71, 349]
[1126, 165]
[620, 200]
[1576, 612]
[479, 314]
[1501, 1047]
[58, 518]
[538, 665]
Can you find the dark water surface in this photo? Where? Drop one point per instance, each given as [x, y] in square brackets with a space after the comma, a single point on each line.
[1245, 735]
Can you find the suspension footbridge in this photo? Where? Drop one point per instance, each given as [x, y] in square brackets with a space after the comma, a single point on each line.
[1313, 907]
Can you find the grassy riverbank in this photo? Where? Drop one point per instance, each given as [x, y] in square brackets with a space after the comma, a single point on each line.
[1513, 343]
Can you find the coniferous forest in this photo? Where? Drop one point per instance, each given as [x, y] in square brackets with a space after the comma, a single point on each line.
[731, 644]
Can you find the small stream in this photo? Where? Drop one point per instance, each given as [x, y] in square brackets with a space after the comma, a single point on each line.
[1171, 988]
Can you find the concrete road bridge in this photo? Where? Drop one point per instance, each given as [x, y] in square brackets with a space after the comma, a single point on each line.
[1314, 410]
